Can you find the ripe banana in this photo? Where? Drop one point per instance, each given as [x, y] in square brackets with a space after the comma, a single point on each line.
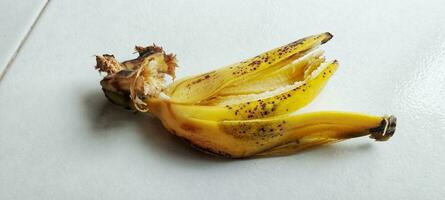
[244, 109]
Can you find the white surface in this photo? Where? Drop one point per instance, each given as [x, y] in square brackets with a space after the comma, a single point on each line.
[61, 139]
[16, 18]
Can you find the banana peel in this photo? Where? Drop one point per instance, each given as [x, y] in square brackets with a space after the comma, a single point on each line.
[244, 109]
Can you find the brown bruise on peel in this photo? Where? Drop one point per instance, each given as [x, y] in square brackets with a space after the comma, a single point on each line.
[207, 150]
[190, 128]
[255, 110]
[259, 131]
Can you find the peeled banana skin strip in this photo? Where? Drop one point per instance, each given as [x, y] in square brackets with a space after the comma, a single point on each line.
[201, 87]
[274, 78]
[246, 109]
[245, 138]
[270, 83]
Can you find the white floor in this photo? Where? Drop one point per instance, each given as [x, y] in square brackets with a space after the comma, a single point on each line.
[16, 19]
[61, 139]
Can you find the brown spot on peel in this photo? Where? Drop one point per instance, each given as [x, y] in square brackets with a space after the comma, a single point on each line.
[190, 128]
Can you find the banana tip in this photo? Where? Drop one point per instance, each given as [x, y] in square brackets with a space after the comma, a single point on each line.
[385, 130]
[328, 36]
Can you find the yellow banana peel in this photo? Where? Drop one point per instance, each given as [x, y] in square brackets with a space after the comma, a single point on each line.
[244, 109]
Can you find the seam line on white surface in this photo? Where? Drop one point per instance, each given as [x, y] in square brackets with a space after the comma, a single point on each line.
[22, 41]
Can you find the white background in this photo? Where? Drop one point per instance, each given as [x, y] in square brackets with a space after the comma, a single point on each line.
[61, 139]
[16, 19]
